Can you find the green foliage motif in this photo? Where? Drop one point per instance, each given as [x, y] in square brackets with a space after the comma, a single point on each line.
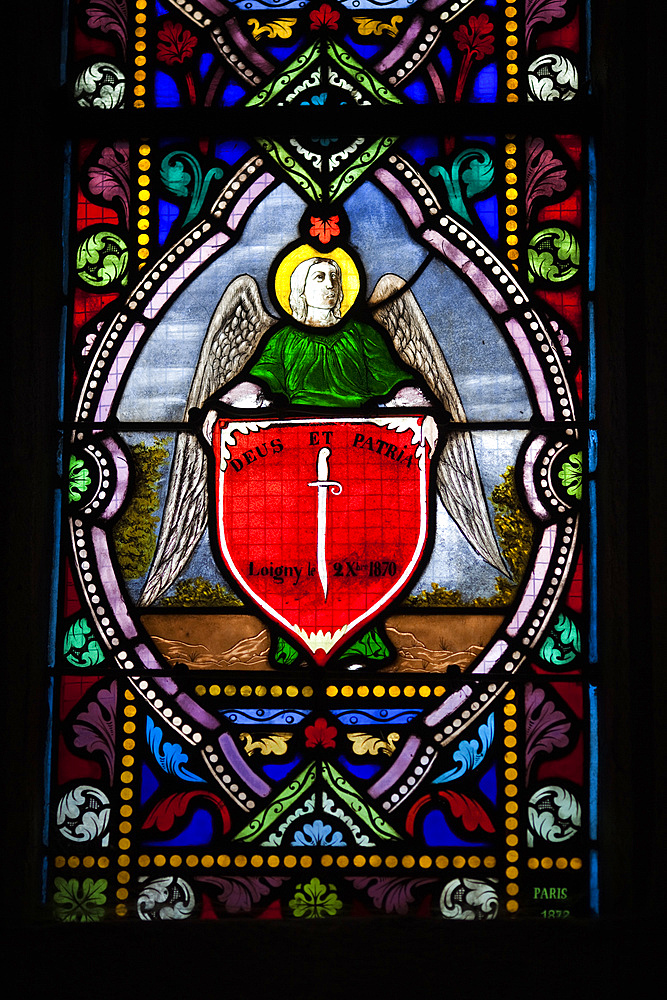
[553, 255]
[196, 592]
[135, 532]
[80, 647]
[79, 479]
[563, 645]
[101, 259]
[471, 173]
[515, 535]
[571, 473]
[79, 903]
[315, 899]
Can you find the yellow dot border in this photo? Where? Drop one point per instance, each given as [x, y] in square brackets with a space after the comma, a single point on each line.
[332, 690]
[511, 805]
[511, 198]
[511, 68]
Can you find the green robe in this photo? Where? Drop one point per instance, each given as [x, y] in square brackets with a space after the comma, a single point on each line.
[345, 368]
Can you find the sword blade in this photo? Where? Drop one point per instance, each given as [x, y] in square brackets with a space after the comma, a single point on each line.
[322, 537]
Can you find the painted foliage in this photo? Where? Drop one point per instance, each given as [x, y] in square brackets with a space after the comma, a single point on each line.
[323, 599]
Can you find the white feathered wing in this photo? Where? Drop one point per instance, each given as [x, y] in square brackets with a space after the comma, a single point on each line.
[237, 325]
[458, 480]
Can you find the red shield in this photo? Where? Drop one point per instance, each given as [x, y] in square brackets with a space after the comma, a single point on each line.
[322, 522]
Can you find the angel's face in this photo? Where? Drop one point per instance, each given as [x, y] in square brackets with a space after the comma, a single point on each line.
[322, 286]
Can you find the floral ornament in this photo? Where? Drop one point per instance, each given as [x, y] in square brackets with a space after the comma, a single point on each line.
[324, 229]
[80, 647]
[476, 41]
[102, 258]
[318, 833]
[83, 815]
[325, 17]
[187, 183]
[75, 902]
[571, 473]
[552, 77]
[320, 733]
[100, 86]
[369, 26]
[176, 43]
[281, 28]
[167, 898]
[79, 478]
[314, 899]
[563, 644]
[554, 815]
[553, 255]
[470, 174]
[109, 16]
[469, 899]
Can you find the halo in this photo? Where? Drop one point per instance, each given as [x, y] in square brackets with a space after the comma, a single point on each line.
[349, 274]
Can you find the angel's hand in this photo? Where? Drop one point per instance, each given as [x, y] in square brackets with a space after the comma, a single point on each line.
[409, 395]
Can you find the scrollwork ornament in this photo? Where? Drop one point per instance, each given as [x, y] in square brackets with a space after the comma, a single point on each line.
[83, 815]
[469, 899]
[554, 815]
[553, 255]
[552, 77]
[100, 86]
[167, 898]
[102, 258]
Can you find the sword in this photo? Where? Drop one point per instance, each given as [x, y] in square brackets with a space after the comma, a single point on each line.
[323, 484]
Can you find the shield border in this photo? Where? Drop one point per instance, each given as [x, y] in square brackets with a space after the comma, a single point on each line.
[323, 645]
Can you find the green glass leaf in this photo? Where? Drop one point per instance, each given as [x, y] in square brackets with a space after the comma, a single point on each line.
[553, 255]
[563, 644]
[571, 475]
[79, 479]
[77, 902]
[315, 899]
[102, 258]
[80, 647]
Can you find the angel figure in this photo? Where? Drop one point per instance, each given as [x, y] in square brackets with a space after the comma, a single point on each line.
[321, 359]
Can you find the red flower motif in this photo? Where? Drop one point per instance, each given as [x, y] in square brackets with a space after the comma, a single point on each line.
[476, 38]
[324, 229]
[325, 17]
[176, 43]
[320, 733]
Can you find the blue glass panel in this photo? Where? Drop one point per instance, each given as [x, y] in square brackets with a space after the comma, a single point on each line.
[166, 91]
[231, 150]
[485, 87]
[417, 92]
[593, 581]
[166, 214]
[489, 784]
[276, 772]
[360, 770]
[438, 834]
[375, 716]
[198, 831]
[365, 51]
[487, 210]
[205, 63]
[232, 94]
[149, 783]
[266, 716]
[445, 57]
[421, 148]
[282, 53]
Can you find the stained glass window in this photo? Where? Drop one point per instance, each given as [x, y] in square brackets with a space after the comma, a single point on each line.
[324, 608]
